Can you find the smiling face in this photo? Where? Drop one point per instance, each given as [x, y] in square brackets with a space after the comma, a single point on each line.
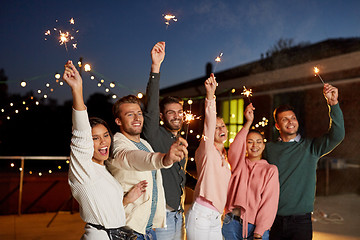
[254, 146]
[130, 120]
[287, 124]
[102, 142]
[221, 132]
[173, 117]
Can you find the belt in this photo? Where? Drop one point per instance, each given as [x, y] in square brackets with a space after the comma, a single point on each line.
[235, 217]
[121, 233]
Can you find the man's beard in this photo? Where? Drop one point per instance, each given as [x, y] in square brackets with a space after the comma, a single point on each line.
[171, 127]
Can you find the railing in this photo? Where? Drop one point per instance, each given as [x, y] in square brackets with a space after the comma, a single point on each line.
[23, 158]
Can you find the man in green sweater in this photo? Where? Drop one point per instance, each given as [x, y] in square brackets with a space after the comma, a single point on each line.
[296, 159]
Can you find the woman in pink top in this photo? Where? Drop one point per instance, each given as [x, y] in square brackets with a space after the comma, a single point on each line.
[204, 218]
[253, 192]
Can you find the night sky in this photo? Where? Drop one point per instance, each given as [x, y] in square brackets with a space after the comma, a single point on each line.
[116, 37]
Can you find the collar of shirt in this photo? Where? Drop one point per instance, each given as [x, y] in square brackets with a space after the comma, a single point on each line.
[296, 139]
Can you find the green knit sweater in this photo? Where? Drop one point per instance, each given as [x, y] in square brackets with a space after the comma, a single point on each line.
[297, 161]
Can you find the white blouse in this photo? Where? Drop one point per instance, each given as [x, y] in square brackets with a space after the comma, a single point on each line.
[99, 195]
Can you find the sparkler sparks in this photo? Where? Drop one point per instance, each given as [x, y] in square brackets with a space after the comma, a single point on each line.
[65, 36]
[168, 18]
[247, 92]
[316, 71]
[217, 60]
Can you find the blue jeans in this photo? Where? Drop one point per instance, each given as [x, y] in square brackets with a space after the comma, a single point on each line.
[203, 223]
[232, 230]
[149, 235]
[294, 227]
[175, 228]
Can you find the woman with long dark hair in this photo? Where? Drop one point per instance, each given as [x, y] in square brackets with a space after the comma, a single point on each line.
[98, 193]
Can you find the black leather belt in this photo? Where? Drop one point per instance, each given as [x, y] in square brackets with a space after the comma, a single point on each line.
[235, 217]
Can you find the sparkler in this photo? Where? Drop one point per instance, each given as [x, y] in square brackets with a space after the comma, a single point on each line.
[217, 60]
[168, 18]
[247, 92]
[316, 71]
[188, 117]
[65, 37]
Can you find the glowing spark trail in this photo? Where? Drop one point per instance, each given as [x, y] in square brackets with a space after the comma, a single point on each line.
[316, 71]
[217, 60]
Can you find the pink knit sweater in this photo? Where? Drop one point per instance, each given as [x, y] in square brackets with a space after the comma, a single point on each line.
[254, 187]
[212, 169]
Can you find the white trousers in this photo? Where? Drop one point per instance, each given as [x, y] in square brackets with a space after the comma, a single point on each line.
[203, 223]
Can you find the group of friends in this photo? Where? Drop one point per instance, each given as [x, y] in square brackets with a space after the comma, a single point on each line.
[131, 188]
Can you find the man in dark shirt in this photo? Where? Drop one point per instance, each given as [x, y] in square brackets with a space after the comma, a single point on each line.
[170, 111]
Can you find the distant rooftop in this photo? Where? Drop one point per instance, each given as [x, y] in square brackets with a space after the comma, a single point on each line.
[280, 59]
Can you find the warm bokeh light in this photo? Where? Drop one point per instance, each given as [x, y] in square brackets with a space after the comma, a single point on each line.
[57, 75]
[140, 95]
[87, 67]
[23, 84]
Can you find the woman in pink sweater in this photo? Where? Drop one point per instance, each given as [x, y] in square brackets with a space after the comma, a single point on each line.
[203, 220]
[253, 192]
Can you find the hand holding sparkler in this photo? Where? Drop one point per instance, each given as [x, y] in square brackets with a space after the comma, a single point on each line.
[73, 79]
[177, 152]
[72, 76]
[249, 115]
[210, 86]
[331, 94]
[157, 56]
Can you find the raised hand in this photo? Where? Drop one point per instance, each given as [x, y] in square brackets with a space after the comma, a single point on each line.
[73, 79]
[71, 76]
[177, 152]
[210, 86]
[249, 112]
[331, 94]
[249, 115]
[157, 56]
[135, 192]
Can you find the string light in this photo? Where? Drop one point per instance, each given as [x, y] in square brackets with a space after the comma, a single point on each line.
[23, 84]
[140, 95]
[112, 84]
[12, 164]
[57, 75]
[87, 67]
